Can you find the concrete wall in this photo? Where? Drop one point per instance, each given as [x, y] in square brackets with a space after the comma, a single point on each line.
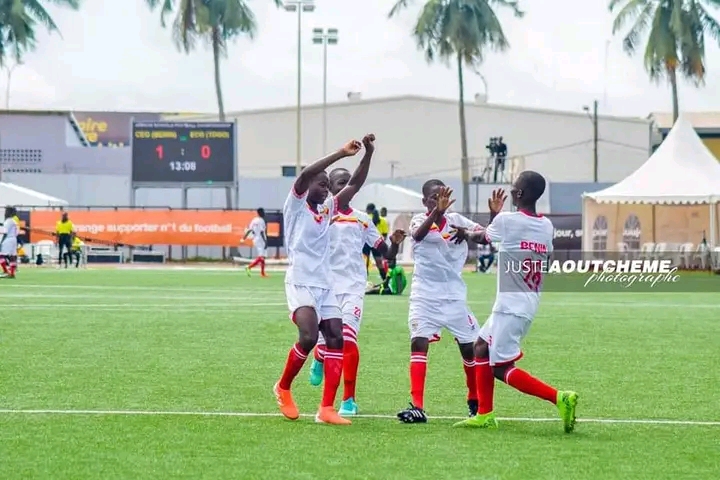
[422, 136]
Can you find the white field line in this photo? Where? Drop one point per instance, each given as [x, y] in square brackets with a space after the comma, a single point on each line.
[149, 306]
[260, 415]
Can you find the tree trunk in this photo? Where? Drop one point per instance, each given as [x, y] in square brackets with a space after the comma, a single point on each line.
[672, 74]
[464, 161]
[216, 61]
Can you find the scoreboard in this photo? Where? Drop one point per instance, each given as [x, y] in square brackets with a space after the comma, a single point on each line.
[183, 153]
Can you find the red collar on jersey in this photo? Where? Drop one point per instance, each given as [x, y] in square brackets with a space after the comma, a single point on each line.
[345, 211]
[442, 223]
[530, 214]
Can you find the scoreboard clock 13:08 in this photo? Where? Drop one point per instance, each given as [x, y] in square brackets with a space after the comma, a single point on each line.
[183, 153]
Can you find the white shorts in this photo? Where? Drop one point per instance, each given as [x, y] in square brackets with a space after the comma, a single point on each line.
[428, 317]
[351, 307]
[320, 299]
[260, 249]
[9, 247]
[503, 333]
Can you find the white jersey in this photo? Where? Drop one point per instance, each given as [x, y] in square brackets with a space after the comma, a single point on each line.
[259, 230]
[526, 242]
[10, 230]
[350, 231]
[307, 236]
[439, 262]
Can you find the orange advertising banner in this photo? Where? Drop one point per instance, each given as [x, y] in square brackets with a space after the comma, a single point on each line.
[223, 228]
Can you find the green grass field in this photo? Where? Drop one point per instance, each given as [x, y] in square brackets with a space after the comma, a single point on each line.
[168, 374]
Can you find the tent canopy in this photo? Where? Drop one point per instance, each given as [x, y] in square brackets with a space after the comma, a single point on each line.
[392, 197]
[681, 171]
[17, 196]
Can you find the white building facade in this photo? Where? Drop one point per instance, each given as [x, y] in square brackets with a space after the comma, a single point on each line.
[419, 137]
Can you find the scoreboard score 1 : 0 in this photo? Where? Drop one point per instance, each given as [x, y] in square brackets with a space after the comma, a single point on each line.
[178, 152]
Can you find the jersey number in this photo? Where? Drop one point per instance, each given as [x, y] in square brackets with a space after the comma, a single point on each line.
[532, 274]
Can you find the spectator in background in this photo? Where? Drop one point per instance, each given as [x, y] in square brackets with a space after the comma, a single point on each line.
[64, 231]
[367, 250]
[383, 226]
[486, 257]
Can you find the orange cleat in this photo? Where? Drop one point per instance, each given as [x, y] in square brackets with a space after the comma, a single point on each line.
[286, 403]
[330, 416]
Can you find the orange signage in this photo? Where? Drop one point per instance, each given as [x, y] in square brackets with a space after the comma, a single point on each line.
[153, 227]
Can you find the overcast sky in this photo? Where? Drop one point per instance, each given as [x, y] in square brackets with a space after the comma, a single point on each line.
[113, 55]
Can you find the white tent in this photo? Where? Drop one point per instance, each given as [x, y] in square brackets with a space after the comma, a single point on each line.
[392, 197]
[673, 195]
[17, 196]
[681, 171]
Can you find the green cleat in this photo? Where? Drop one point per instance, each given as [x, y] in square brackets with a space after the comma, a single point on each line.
[247, 270]
[348, 408]
[316, 373]
[566, 404]
[486, 420]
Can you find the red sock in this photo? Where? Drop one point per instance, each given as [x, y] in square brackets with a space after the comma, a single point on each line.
[3, 264]
[295, 361]
[254, 262]
[332, 367]
[351, 362]
[418, 370]
[526, 383]
[319, 353]
[262, 265]
[485, 381]
[13, 268]
[470, 381]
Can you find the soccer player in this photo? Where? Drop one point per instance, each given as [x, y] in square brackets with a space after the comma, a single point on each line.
[313, 306]
[526, 241]
[8, 244]
[438, 294]
[258, 229]
[368, 250]
[64, 230]
[394, 284]
[350, 231]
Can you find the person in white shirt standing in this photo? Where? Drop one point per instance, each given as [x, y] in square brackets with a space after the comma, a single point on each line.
[438, 295]
[526, 242]
[313, 306]
[258, 230]
[350, 231]
[9, 244]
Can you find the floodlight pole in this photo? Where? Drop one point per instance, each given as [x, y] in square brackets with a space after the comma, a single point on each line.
[325, 37]
[299, 6]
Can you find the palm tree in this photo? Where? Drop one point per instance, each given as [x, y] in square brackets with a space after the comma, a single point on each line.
[462, 31]
[214, 21]
[675, 37]
[18, 21]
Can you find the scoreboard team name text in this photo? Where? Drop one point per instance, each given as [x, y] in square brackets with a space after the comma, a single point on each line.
[202, 134]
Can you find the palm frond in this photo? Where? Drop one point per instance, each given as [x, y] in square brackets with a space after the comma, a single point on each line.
[398, 7]
[631, 10]
[643, 20]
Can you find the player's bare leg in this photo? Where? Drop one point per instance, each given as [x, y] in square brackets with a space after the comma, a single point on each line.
[306, 320]
[467, 351]
[485, 384]
[415, 413]
[332, 330]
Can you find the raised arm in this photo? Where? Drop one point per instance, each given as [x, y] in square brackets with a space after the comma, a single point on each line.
[302, 182]
[359, 175]
[443, 203]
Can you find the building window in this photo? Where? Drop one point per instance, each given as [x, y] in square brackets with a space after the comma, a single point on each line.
[631, 232]
[289, 170]
[599, 234]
